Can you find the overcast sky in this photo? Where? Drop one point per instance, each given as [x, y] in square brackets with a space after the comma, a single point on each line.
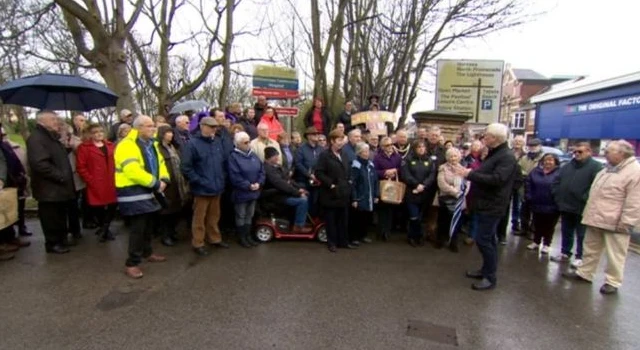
[574, 37]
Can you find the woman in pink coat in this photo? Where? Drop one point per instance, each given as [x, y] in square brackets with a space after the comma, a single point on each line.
[450, 187]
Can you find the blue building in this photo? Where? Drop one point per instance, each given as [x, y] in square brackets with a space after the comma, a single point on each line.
[590, 109]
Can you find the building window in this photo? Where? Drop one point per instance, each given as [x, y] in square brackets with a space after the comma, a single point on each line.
[518, 121]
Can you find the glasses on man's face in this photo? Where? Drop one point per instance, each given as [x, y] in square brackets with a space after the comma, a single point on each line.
[578, 151]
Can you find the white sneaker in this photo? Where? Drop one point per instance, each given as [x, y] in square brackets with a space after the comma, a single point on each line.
[546, 249]
[561, 258]
[533, 246]
[576, 263]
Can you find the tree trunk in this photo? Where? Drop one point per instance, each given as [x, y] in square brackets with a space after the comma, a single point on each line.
[337, 61]
[226, 65]
[112, 66]
[318, 71]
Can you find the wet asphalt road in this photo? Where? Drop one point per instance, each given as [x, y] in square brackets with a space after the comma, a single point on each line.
[296, 295]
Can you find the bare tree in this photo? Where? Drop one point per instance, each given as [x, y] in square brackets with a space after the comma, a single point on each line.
[107, 28]
[17, 19]
[322, 46]
[157, 70]
[407, 36]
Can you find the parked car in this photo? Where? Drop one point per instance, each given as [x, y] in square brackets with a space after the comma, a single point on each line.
[564, 157]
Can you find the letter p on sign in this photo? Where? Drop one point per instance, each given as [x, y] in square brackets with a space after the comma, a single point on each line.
[487, 105]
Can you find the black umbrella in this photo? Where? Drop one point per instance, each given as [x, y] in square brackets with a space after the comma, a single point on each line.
[57, 92]
[190, 105]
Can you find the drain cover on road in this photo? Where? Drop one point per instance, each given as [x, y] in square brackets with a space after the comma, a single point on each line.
[433, 332]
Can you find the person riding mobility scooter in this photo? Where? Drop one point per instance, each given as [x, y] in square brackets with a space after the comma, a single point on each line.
[279, 191]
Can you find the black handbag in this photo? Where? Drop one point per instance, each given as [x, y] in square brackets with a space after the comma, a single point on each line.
[448, 202]
[162, 199]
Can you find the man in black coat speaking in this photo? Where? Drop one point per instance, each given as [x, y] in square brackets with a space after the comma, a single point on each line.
[51, 180]
[490, 191]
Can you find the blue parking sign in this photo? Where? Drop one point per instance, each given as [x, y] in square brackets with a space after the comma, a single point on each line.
[487, 105]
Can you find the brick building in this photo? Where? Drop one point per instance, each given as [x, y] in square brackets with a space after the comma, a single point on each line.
[518, 86]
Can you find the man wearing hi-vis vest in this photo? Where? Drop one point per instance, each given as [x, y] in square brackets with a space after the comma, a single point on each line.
[141, 177]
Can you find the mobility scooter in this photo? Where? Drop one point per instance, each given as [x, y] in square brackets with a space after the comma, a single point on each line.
[275, 221]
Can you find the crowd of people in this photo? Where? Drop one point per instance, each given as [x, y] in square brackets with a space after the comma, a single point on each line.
[213, 169]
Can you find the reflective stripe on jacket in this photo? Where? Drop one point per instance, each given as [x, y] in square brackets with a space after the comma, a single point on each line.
[135, 183]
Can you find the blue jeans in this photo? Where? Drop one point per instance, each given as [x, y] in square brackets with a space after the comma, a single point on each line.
[244, 213]
[485, 230]
[515, 209]
[302, 205]
[312, 199]
[572, 223]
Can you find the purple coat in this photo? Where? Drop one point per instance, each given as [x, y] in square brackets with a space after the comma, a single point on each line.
[194, 123]
[232, 117]
[382, 163]
[538, 190]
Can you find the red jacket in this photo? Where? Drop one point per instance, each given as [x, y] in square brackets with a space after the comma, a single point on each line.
[98, 171]
[275, 128]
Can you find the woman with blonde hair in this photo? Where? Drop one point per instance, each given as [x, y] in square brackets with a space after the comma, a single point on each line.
[95, 165]
[451, 187]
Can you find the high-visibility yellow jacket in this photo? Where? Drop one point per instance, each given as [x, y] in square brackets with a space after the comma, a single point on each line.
[135, 183]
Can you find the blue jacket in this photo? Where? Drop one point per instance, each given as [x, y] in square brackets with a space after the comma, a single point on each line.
[203, 164]
[227, 142]
[364, 184]
[305, 162]
[539, 191]
[244, 170]
[350, 152]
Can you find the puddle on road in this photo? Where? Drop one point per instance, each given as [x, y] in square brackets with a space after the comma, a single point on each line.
[432, 332]
[119, 297]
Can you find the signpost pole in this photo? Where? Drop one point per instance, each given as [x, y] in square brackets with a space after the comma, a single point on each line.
[478, 100]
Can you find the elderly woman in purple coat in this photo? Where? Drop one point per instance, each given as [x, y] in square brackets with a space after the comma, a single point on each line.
[387, 163]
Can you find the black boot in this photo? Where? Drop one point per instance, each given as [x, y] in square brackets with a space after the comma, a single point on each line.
[414, 232]
[106, 234]
[242, 237]
[253, 242]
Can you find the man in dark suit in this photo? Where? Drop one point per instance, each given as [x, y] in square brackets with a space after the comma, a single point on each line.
[51, 180]
[491, 186]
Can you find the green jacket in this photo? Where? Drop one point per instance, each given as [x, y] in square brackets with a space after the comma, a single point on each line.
[527, 164]
[571, 188]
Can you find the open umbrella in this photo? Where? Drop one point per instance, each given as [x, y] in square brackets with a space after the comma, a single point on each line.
[57, 92]
[190, 105]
